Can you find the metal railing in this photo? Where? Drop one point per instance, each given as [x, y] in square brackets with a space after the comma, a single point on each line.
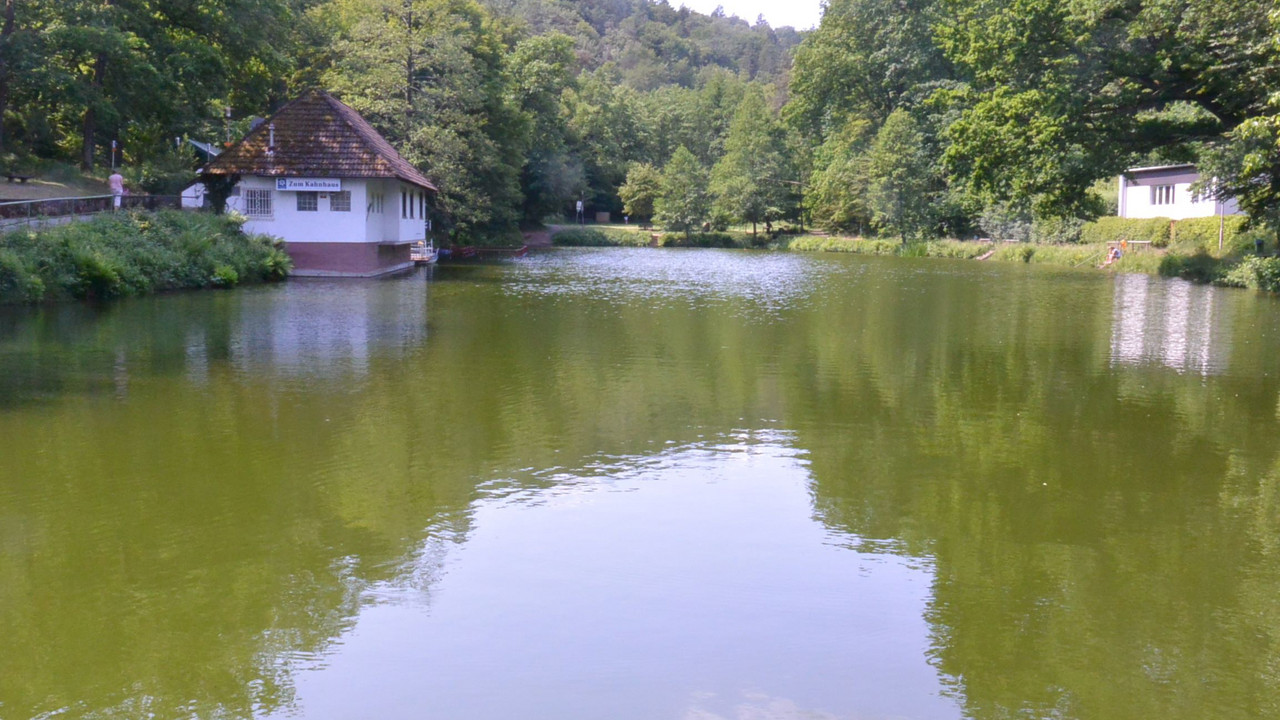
[37, 212]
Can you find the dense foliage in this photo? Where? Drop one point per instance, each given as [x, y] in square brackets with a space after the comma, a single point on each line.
[905, 118]
[1020, 106]
[133, 254]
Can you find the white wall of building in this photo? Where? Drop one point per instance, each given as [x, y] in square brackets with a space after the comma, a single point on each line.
[287, 222]
[1166, 193]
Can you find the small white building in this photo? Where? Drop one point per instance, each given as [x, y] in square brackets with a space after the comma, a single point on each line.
[318, 176]
[1165, 192]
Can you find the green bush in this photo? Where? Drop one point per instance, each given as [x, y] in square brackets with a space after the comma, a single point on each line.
[580, 237]
[166, 172]
[819, 243]
[961, 249]
[18, 280]
[1057, 230]
[1115, 229]
[225, 276]
[1016, 252]
[1202, 234]
[1257, 273]
[1198, 267]
[702, 240]
[134, 253]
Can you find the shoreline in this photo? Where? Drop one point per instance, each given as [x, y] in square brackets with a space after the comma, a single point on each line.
[1232, 268]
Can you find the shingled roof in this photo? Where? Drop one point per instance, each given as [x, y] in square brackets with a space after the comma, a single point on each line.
[317, 136]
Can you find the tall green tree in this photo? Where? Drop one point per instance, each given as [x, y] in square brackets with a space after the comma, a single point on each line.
[683, 204]
[544, 70]
[432, 75]
[865, 59]
[752, 181]
[93, 71]
[641, 190]
[903, 187]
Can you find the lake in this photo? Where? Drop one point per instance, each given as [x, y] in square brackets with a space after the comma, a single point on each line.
[649, 484]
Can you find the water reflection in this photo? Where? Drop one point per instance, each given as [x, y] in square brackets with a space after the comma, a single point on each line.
[327, 327]
[1171, 323]
[706, 557]
[861, 488]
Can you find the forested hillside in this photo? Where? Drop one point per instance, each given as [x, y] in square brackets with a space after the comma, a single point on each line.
[906, 118]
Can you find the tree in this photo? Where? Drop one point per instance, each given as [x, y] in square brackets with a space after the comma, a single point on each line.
[838, 187]
[543, 71]
[866, 59]
[683, 203]
[903, 189]
[607, 132]
[1057, 95]
[432, 76]
[751, 181]
[1245, 163]
[643, 185]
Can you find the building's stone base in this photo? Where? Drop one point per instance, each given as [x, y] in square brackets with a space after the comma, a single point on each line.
[324, 259]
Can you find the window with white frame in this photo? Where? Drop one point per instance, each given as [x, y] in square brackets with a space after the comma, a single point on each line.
[1161, 194]
[340, 201]
[375, 203]
[257, 203]
[308, 201]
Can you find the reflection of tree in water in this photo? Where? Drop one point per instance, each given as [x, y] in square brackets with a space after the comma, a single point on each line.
[1103, 536]
[179, 549]
[1104, 541]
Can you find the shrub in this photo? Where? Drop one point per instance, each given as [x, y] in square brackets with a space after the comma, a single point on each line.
[1003, 222]
[1056, 230]
[1202, 234]
[18, 283]
[133, 253]
[1257, 273]
[817, 243]
[1198, 267]
[1021, 252]
[580, 237]
[225, 276]
[1115, 229]
[702, 240]
[959, 249]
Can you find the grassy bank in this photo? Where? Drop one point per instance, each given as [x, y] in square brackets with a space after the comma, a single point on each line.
[133, 254]
[632, 236]
[1191, 258]
[1191, 254]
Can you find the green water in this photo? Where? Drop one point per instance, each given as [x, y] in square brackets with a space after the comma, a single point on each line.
[646, 484]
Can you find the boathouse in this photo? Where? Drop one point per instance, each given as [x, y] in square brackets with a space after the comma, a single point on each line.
[317, 175]
[1165, 192]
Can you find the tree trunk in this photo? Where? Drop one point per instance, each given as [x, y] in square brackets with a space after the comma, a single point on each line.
[89, 129]
[6, 33]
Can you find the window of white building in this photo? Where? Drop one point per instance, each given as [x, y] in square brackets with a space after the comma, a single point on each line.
[308, 201]
[257, 203]
[340, 201]
[375, 203]
[1161, 194]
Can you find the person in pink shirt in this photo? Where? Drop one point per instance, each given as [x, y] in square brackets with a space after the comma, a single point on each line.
[116, 182]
